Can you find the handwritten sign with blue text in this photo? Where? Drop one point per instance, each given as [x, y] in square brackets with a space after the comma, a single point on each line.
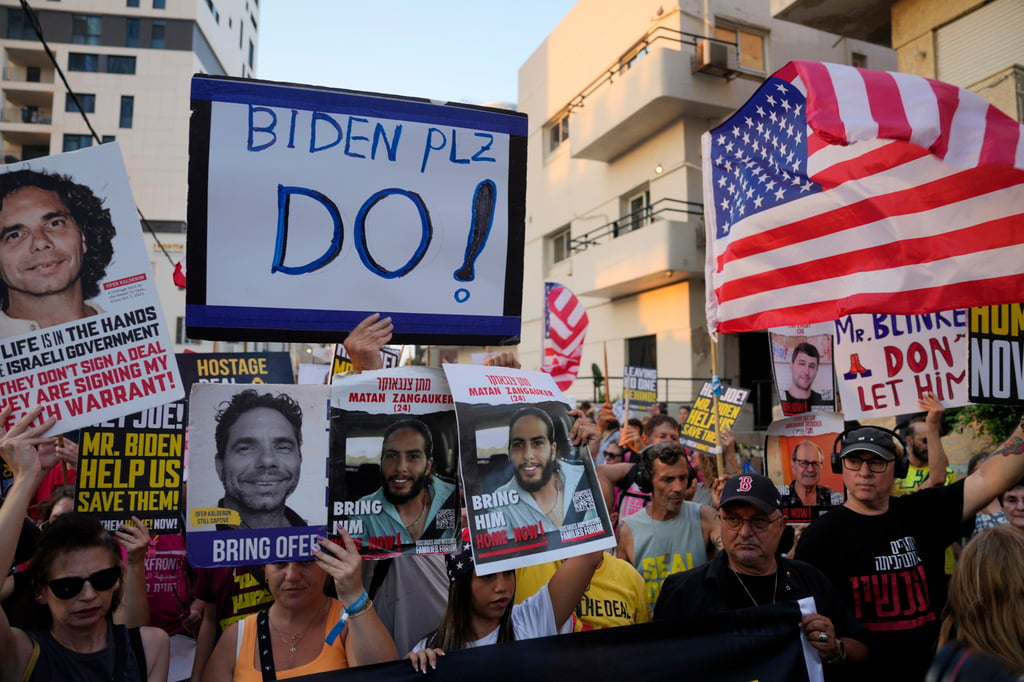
[311, 208]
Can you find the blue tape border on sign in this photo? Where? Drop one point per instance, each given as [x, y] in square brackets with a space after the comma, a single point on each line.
[334, 320]
[362, 104]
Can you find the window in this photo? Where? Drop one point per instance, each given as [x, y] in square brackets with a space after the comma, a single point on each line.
[88, 103]
[561, 244]
[859, 60]
[642, 351]
[159, 4]
[33, 74]
[127, 111]
[133, 3]
[558, 131]
[118, 64]
[751, 45]
[73, 142]
[131, 33]
[636, 208]
[156, 40]
[78, 61]
[252, 54]
[86, 29]
[18, 27]
[107, 138]
[632, 57]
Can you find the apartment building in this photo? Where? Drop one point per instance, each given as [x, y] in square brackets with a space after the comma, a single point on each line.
[618, 96]
[129, 63]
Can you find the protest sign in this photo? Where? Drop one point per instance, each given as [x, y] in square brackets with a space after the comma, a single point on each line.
[996, 356]
[802, 364]
[268, 445]
[531, 495]
[886, 363]
[762, 644]
[640, 386]
[81, 330]
[699, 432]
[394, 447]
[401, 206]
[389, 357]
[798, 453]
[134, 465]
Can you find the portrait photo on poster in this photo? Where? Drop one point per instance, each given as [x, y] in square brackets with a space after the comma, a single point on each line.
[393, 481]
[803, 372]
[80, 318]
[257, 466]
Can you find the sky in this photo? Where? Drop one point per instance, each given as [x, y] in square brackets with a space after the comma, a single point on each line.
[453, 50]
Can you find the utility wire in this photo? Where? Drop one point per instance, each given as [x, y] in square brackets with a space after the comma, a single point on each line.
[37, 27]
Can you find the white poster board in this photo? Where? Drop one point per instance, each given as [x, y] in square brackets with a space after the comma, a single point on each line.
[885, 363]
[311, 208]
[71, 245]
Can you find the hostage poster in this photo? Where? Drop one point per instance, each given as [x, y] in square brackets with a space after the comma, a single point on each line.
[418, 206]
[394, 449]
[886, 363]
[81, 330]
[134, 465]
[531, 495]
[798, 455]
[258, 463]
[802, 365]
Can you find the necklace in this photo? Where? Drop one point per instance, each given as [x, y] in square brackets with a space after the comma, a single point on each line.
[775, 587]
[292, 641]
[558, 499]
[426, 503]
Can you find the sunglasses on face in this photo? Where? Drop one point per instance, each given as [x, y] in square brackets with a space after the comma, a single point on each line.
[101, 581]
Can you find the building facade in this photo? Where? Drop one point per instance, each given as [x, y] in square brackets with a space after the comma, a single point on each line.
[618, 97]
[130, 64]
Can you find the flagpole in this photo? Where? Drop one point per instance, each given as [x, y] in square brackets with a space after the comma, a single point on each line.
[719, 456]
[607, 393]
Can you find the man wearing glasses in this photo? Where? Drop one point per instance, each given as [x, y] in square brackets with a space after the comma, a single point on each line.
[804, 490]
[752, 572]
[885, 555]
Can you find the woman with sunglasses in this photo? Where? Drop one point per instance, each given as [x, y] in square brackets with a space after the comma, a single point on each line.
[76, 576]
[309, 632]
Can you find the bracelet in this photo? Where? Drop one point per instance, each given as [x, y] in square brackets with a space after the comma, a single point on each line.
[358, 608]
[840, 652]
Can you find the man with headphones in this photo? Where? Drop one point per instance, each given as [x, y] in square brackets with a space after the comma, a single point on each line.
[885, 554]
[671, 534]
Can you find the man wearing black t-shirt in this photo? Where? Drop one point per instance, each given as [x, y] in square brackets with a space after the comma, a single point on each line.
[885, 555]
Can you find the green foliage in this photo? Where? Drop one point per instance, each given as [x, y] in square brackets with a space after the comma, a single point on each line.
[995, 421]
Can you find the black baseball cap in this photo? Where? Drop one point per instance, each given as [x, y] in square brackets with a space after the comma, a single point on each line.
[753, 489]
[870, 439]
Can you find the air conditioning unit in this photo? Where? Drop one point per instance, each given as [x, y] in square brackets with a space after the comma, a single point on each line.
[712, 58]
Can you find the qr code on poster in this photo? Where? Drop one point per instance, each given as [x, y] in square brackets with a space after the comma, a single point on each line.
[583, 500]
[445, 518]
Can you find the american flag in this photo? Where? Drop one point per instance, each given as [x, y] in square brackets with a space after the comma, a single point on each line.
[565, 325]
[838, 190]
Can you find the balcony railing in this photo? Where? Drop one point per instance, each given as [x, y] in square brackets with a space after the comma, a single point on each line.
[26, 115]
[662, 209]
[23, 74]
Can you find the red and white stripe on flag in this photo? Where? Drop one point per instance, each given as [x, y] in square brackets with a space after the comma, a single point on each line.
[567, 326]
[837, 190]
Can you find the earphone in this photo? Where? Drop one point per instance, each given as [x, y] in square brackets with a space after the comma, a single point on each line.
[643, 476]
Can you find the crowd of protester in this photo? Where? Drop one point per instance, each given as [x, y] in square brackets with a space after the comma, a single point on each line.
[82, 603]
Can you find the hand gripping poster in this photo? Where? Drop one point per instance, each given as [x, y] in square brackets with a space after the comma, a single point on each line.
[394, 450]
[81, 329]
[262, 450]
[532, 496]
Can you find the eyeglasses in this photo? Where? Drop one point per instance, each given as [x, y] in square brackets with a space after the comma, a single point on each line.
[806, 464]
[875, 465]
[101, 581]
[758, 523]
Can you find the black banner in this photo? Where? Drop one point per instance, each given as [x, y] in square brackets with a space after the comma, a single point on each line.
[762, 644]
[995, 361]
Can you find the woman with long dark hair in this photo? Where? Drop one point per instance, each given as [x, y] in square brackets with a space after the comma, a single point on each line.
[76, 575]
[481, 611]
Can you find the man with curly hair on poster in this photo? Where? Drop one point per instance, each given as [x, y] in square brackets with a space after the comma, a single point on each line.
[55, 245]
